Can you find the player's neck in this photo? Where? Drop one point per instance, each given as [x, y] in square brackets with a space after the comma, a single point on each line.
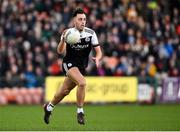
[79, 30]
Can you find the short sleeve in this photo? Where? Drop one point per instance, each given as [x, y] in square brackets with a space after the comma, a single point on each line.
[95, 40]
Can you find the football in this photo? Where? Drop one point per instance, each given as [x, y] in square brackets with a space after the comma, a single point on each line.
[72, 36]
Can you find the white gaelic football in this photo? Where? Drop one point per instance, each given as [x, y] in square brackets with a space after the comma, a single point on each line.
[72, 36]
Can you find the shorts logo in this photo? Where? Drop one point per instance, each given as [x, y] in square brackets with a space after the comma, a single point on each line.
[69, 64]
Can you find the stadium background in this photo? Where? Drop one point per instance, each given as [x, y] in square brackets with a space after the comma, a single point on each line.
[140, 40]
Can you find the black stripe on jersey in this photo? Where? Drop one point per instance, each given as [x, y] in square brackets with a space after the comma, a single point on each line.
[96, 45]
[89, 31]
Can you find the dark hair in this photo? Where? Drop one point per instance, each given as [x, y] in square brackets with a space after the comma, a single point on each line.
[78, 11]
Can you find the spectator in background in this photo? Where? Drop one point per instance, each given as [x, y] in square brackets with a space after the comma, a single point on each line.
[30, 77]
[130, 29]
[39, 76]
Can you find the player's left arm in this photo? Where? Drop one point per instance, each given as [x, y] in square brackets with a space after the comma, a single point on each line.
[98, 56]
[97, 49]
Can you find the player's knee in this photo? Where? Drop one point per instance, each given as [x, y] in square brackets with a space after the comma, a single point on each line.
[82, 84]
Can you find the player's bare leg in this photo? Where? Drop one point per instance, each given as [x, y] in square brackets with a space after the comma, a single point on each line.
[67, 86]
[75, 75]
[65, 89]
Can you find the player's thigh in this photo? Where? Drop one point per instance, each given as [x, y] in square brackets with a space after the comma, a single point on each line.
[68, 85]
[76, 76]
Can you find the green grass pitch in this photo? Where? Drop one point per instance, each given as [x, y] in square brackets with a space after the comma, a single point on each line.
[98, 117]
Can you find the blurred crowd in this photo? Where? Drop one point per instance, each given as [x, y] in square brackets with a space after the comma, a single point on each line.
[21, 95]
[138, 38]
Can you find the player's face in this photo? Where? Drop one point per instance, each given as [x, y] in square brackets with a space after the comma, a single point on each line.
[80, 21]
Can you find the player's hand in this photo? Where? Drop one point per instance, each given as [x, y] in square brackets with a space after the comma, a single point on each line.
[64, 35]
[96, 61]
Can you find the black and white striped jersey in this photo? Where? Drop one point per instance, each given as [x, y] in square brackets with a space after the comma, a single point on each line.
[78, 54]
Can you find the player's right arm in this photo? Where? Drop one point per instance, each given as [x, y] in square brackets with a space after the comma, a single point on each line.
[62, 44]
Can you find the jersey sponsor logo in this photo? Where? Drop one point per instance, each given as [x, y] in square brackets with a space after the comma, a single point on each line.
[79, 47]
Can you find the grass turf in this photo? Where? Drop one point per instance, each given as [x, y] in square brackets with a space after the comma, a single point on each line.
[98, 117]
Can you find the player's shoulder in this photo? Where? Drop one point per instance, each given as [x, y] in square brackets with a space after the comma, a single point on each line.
[88, 30]
[71, 28]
